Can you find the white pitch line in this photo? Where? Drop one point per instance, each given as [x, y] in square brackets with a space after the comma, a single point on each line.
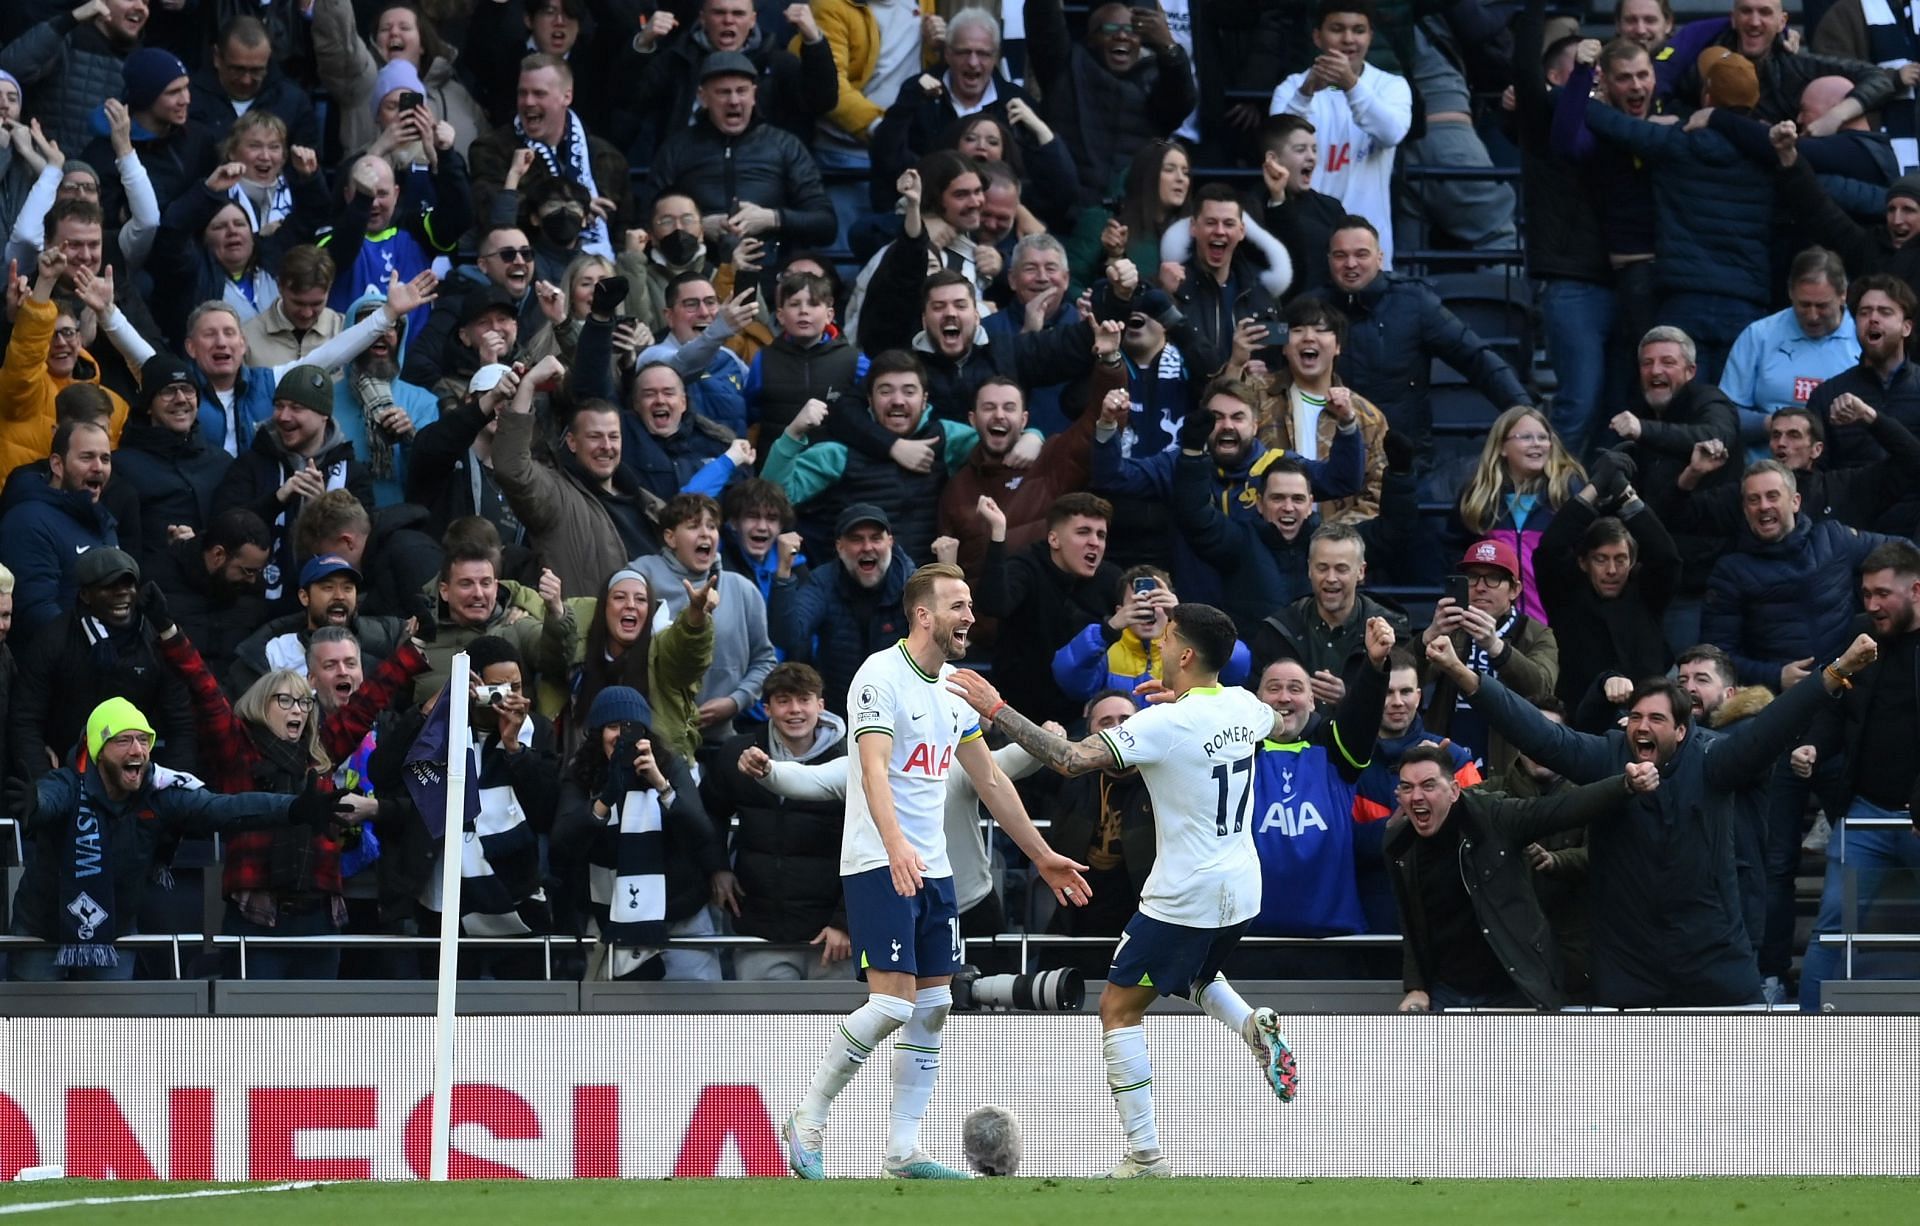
[38, 1206]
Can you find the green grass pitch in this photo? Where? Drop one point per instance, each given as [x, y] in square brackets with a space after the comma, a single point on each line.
[1003, 1202]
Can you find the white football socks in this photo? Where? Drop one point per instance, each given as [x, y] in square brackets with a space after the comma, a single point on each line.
[1220, 1002]
[916, 1066]
[853, 1041]
[1130, 1077]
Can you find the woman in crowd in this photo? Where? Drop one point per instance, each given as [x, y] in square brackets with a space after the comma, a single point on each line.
[1523, 476]
[622, 647]
[1157, 191]
[623, 789]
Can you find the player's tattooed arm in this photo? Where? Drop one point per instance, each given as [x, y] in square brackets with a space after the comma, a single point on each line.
[1067, 757]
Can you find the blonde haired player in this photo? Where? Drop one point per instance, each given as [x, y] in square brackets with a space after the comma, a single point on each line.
[908, 732]
[1195, 753]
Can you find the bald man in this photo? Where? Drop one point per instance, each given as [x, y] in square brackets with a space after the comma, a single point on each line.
[1856, 163]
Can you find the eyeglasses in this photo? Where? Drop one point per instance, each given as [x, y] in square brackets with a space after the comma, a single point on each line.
[1484, 579]
[287, 702]
[65, 334]
[512, 255]
[1529, 438]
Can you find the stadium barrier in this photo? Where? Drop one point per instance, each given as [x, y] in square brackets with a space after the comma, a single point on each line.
[699, 1095]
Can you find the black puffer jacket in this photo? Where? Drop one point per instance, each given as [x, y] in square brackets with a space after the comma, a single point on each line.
[794, 90]
[785, 852]
[1602, 638]
[254, 479]
[829, 621]
[1563, 234]
[217, 621]
[764, 165]
[63, 677]
[65, 72]
[1396, 327]
[174, 475]
[1050, 607]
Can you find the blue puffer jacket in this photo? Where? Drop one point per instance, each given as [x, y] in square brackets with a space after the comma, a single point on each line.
[1713, 208]
[1769, 604]
[40, 536]
[1396, 326]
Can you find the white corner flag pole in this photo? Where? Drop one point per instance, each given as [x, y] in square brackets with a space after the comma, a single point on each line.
[450, 853]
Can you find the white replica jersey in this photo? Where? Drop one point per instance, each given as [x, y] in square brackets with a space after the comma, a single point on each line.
[1358, 131]
[1196, 756]
[928, 723]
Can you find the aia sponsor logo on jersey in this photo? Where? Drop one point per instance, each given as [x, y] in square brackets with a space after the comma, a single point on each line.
[1339, 157]
[920, 762]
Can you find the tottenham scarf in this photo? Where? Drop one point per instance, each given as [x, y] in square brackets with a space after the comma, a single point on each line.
[499, 853]
[594, 237]
[627, 879]
[278, 207]
[376, 397]
[86, 920]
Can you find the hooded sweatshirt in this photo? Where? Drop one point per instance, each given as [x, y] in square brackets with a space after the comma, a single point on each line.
[742, 653]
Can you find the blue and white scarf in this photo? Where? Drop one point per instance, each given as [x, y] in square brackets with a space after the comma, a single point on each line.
[594, 236]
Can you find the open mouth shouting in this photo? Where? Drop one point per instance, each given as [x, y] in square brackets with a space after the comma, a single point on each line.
[1644, 747]
[338, 613]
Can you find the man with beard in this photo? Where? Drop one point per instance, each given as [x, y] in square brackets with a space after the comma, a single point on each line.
[48, 524]
[1262, 563]
[102, 648]
[662, 67]
[842, 613]
[1224, 429]
[1475, 935]
[299, 455]
[167, 461]
[378, 412]
[1397, 326]
[1492, 635]
[544, 121]
[584, 512]
[1681, 411]
[902, 912]
[1667, 927]
[1872, 725]
[1023, 494]
[822, 478]
[453, 341]
[1884, 309]
[1050, 591]
[1326, 629]
[1886, 249]
[211, 582]
[748, 177]
[1780, 601]
[97, 828]
[72, 62]
[330, 593]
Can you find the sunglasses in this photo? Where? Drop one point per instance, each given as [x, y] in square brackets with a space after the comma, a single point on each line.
[513, 255]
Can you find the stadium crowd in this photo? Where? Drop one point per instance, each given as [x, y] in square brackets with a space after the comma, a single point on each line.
[643, 351]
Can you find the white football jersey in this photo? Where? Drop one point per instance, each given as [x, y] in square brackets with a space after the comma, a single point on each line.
[928, 723]
[1196, 756]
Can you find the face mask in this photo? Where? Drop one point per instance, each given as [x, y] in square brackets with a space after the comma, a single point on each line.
[678, 249]
[560, 229]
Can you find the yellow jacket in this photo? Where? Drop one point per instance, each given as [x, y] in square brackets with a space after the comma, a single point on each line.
[27, 390]
[854, 35]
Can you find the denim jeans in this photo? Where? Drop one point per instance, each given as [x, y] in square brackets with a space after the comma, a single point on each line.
[37, 965]
[1578, 318]
[267, 961]
[1873, 856]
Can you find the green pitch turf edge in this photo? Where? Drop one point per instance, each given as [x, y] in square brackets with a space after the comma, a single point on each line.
[1004, 1202]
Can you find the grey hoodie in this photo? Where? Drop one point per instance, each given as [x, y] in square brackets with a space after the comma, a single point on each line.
[742, 652]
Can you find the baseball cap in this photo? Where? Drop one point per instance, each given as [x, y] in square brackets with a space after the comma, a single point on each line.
[727, 64]
[1729, 77]
[308, 387]
[322, 565]
[104, 564]
[861, 513]
[1493, 552]
[487, 378]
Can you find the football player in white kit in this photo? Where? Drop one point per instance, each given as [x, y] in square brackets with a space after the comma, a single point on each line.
[1195, 751]
[908, 731]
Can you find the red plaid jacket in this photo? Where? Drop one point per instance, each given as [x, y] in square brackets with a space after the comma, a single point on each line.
[231, 758]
